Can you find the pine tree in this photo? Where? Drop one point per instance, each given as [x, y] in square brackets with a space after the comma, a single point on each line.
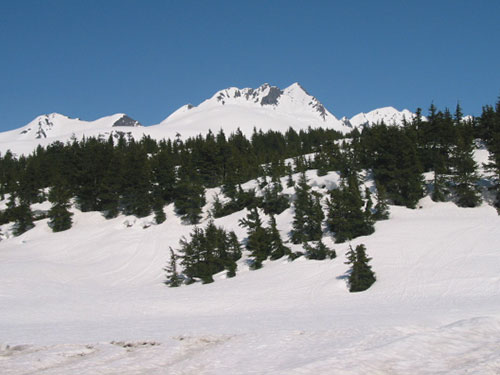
[258, 241]
[464, 173]
[158, 205]
[173, 279]
[381, 208]
[233, 254]
[346, 218]
[23, 218]
[60, 217]
[361, 276]
[440, 191]
[278, 249]
[111, 186]
[273, 202]
[308, 213]
[190, 199]
[493, 166]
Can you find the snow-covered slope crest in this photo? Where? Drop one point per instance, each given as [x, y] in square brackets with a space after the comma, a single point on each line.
[290, 100]
[48, 128]
[55, 124]
[388, 115]
[264, 108]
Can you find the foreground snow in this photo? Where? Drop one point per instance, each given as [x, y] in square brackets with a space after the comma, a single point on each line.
[91, 300]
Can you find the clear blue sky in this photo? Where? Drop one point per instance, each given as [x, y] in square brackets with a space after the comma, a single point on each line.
[91, 58]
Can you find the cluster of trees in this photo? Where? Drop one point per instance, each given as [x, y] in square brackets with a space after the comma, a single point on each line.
[140, 177]
[209, 251]
[212, 250]
[442, 143]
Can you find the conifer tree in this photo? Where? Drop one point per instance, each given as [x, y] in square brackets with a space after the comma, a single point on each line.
[440, 191]
[158, 205]
[361, 276]
[308, 213]
[60, 217]
[346, 218]
[278, 249]
[173, 279]
[190, 199]
[23, 218]
[273, 202]
[258, 241]
[233, 254]
[464, 170]
[381, 211]
[111, 186]
[493, 166]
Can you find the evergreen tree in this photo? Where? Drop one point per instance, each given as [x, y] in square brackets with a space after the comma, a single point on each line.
[346, 218]
[278, 249]
[361, 276]
[60, 217]
[111, 185]
[464, 173]
[137, 182]
[190, 199]
[273, 202]
[493, 166]
[440, 191]
[258, 241]
[308, 213]
[233, 254]
[173, 279]
[381, 211]
[23, 218]
[158, 205]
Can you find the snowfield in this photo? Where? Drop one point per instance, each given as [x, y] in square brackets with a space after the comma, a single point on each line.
[90, 300]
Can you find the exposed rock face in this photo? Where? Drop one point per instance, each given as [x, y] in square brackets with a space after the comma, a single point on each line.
[272, 96]
[127, 121]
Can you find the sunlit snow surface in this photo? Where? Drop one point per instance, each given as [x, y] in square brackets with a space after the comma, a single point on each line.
[91, 301]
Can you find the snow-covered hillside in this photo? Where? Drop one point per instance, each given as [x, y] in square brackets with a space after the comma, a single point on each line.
[264, 108]
[389, 115]
[91, 300]
[46, 129]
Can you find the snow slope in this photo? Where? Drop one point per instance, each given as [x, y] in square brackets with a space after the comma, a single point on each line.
[90, 300]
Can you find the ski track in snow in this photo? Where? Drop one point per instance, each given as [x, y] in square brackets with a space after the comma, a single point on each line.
[91, 301]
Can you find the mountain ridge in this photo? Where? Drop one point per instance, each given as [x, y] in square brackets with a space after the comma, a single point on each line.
[266, 107]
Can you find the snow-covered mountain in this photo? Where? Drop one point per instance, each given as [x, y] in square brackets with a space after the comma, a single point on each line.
[389, 115]
[264, 108]
[46, 129]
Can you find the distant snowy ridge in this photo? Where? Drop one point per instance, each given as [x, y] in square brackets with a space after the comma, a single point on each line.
[387, 115]
[264, 108]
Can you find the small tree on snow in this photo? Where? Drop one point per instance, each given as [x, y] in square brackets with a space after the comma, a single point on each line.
[361, 276]
[173, 278]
